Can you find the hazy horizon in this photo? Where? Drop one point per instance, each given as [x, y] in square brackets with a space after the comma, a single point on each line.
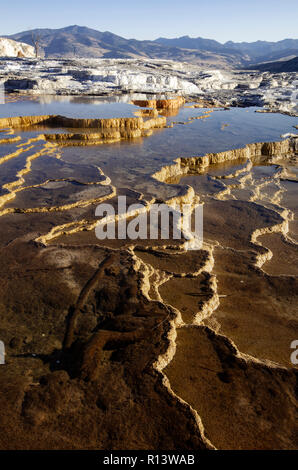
[128, 37]
[222, 20]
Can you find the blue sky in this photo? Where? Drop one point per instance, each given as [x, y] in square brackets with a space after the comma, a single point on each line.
[222, 20]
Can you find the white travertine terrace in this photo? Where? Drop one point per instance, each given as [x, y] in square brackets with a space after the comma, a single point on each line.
[116, 76]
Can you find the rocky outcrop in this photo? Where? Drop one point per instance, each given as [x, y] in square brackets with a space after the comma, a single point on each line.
[11, 48]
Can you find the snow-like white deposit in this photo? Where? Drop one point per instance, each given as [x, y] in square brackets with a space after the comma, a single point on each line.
[109, 76]
[10, 48]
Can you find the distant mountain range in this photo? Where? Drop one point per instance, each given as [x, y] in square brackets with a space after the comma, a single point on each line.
[80, 41]
[258, 51]
[278, 66]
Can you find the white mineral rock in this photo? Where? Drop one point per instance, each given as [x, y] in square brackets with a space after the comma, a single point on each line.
[276, 92]
[10, 48]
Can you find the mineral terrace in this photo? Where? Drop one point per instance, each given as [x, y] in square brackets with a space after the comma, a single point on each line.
[146, 344]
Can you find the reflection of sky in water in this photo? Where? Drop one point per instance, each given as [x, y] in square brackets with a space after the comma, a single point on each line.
[226, 129]
[72, 106]
[128, 162]
[129, 159]
[77, 107]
